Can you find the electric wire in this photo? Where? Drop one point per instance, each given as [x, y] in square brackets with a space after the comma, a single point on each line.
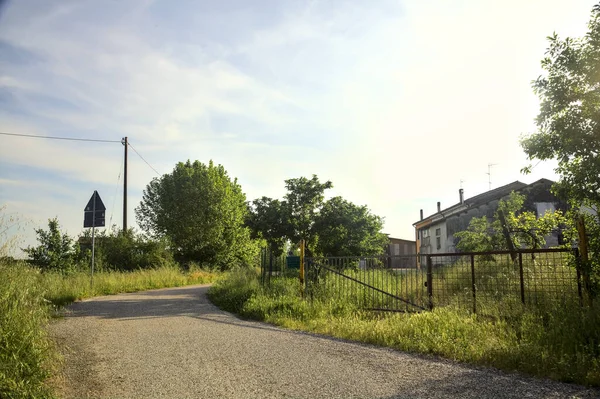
[58, 138]
[139, 155]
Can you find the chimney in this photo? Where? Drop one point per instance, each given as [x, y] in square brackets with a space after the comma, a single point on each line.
[439, 206]
[421, 214]
[461, 195]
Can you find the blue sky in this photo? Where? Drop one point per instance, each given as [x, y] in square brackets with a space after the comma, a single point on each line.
[395, 102]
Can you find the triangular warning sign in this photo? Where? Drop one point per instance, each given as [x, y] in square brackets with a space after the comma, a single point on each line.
[99, 204]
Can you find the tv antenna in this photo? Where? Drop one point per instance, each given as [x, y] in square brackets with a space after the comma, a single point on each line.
[489, 173]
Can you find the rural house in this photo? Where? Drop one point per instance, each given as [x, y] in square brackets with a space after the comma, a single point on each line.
[402, 253]
[435, 233]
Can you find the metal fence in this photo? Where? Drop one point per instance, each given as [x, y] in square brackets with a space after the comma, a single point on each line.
[487, 282]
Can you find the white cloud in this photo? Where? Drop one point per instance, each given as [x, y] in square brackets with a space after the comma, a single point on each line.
[395, 104]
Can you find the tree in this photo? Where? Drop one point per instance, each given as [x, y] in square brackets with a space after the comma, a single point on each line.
[201, 211]
[267, 220]
[345, 229]
[525, 229]
[569, 118]
[302, 203]
[56, 251]
[333, 228]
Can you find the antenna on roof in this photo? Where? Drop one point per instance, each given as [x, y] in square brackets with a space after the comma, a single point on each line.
[461, 183]
[489, 173]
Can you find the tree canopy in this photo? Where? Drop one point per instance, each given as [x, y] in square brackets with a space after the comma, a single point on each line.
[569, 118]
[201, 211]
[332, 228]
[346, 229]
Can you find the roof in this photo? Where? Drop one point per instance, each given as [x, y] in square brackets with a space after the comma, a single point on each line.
[400, 239]
[478, 200]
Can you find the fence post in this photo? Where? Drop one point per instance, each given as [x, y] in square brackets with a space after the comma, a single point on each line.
[473, 287]
[578, 269]
[521, 277]
[301, 274]
[430, 281]
[583, 259]
[270, 265]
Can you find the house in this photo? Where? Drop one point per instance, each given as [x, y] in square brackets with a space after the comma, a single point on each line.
[402, 253]
[435, 233]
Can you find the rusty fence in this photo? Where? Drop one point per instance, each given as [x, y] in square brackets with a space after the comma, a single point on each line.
[489, 282]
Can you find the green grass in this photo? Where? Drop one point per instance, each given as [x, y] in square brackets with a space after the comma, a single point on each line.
[63, 289]
[561, 343]
[27, 300]
[26, 353]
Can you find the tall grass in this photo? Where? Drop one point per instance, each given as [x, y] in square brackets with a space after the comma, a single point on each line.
[63, 289]
[26, 353]
[562, 344]
[27, 299]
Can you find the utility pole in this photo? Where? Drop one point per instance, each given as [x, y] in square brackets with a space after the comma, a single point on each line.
[126, 144]
[489, 173]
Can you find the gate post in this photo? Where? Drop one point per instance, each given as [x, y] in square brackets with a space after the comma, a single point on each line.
[521, 277]
[301, 276]
[430, 281]
[473, 287]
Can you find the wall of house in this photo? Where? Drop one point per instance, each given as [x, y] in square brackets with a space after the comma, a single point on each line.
[402, 253]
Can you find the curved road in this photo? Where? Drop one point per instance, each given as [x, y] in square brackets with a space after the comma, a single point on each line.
[173, 343]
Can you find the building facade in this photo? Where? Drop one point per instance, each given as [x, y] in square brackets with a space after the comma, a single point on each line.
[435, 234]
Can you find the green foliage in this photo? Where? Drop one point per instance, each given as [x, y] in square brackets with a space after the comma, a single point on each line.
[56, 251]
[334, 227]
[569, 117]
[346, 229]
[303, 201]
[124, 250]
[201, 211]
[26, 353]
[267, 220]
[525, 229]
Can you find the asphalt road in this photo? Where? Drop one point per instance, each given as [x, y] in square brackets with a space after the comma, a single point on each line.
[173, 343]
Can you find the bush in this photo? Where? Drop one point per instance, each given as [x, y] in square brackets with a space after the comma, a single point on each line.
[124, 250]
[56, 251]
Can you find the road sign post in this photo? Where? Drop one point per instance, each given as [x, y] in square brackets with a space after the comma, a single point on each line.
[94, 216]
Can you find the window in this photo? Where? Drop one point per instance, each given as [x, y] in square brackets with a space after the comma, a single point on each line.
[438, 232]
[438, 242]
[424, 233]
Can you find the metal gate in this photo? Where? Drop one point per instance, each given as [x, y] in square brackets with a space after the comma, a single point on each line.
[381, 283]
[482, 282]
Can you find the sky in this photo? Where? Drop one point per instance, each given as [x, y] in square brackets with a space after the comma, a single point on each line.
[398, 103]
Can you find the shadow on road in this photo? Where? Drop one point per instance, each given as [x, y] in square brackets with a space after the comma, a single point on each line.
[163, 303]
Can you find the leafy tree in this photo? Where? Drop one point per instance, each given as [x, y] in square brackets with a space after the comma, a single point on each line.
[569, 118]
[345, 229]
[302, 203]
[525, 229]
[56, 251]
[201, 211]
[569, 125]
[267, 220]
[336, 227]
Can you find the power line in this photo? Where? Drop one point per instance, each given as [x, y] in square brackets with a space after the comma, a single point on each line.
[58, 138]
[155, 171]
